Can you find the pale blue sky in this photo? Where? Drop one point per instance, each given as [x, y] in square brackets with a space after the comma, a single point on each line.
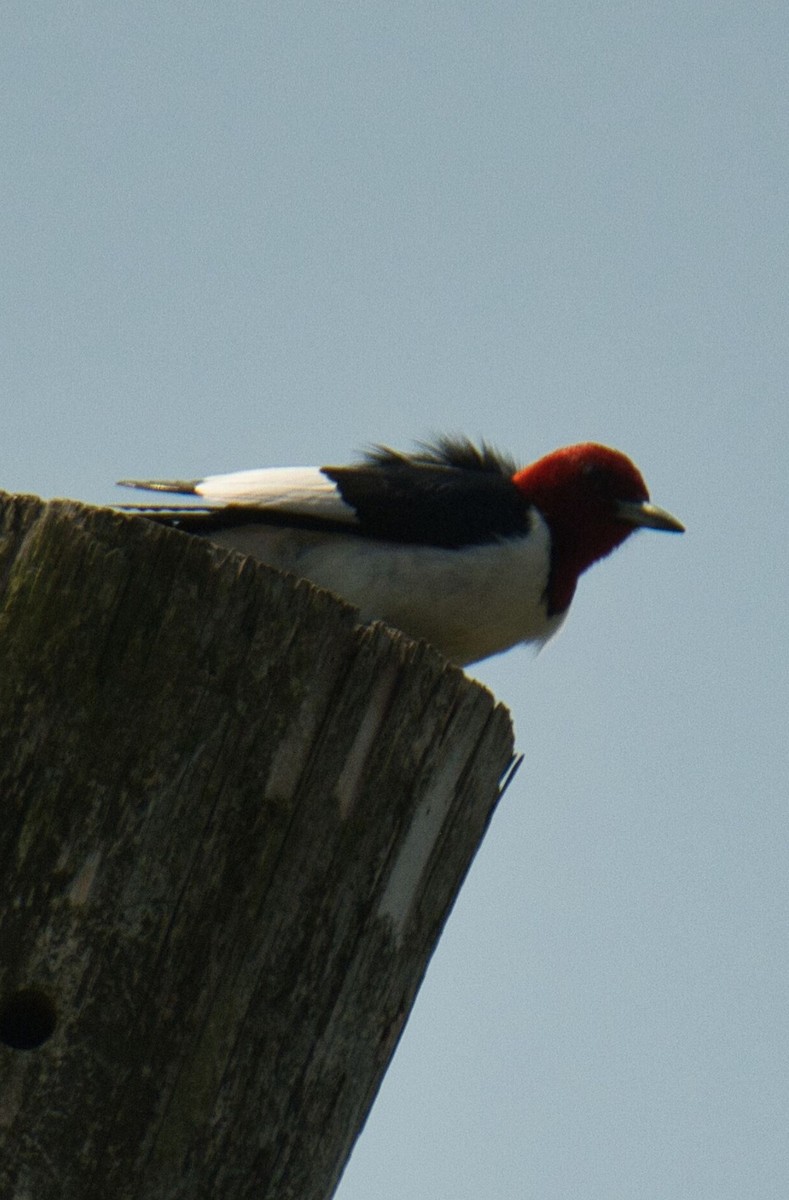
[247, 234]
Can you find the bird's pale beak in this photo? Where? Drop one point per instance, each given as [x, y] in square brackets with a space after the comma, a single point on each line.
[641, 512]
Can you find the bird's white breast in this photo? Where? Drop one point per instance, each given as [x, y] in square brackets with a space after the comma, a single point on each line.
[469, 603]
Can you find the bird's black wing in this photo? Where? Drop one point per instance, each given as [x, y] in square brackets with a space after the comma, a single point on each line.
[449, 494]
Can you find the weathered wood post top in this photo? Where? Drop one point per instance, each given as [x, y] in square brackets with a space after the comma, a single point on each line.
[233, 825]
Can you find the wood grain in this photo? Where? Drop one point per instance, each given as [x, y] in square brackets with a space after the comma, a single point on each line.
[233, 825]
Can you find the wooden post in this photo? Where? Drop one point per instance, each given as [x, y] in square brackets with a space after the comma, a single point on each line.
[233, 825]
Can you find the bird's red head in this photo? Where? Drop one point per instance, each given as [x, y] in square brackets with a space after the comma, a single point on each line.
[591, 497]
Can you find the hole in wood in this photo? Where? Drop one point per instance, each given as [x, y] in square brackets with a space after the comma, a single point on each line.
[27, 1019]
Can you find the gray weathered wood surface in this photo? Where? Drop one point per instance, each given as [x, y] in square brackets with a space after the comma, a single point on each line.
[233, 824]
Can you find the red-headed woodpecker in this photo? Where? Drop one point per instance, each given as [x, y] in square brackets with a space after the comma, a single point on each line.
[453, 544]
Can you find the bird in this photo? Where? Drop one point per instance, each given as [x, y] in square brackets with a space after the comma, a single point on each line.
[453, 543]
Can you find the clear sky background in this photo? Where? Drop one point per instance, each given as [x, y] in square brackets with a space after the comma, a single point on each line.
[244, 234]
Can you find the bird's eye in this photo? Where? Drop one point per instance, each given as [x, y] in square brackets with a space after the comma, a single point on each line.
[597, 478]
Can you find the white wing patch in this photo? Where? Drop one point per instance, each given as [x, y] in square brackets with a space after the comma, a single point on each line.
[303, 491]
